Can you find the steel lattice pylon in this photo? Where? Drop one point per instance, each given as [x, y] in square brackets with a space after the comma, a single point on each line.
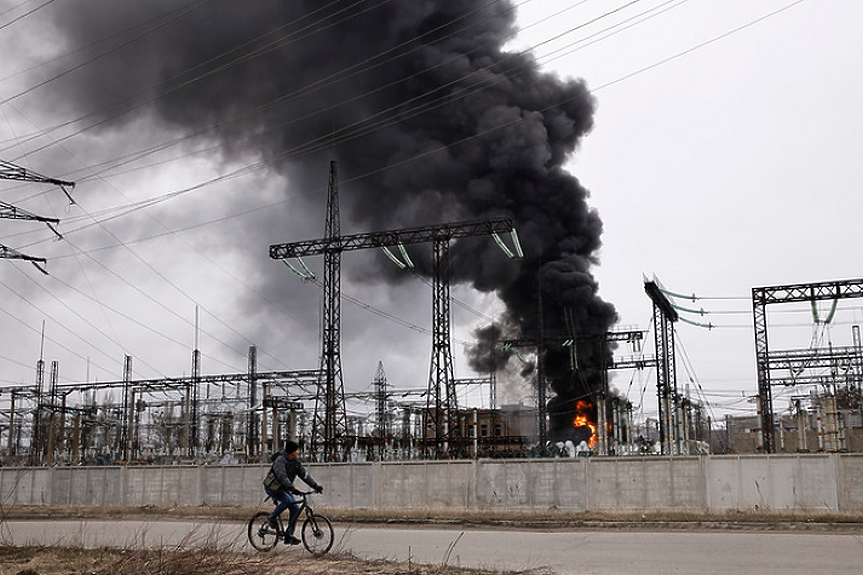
[441, 402]
[664, 316]
[331, 246]
[330, 423]
[666, 380]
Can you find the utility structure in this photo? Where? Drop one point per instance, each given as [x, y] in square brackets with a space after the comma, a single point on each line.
[664, 317]
[10, 171]
[381, 411]
[638, 362]
[134, 389]
[765, 360]
[329, 428]
[570, 341]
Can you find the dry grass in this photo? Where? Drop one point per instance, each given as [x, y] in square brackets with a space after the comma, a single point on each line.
[195, 561]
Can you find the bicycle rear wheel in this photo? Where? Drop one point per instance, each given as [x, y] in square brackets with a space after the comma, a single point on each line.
[261, 535]
[317, 534]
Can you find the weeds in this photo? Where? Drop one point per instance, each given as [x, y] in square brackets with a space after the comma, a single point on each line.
[201, 560]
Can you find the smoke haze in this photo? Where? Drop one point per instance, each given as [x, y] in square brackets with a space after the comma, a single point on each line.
[430, 119]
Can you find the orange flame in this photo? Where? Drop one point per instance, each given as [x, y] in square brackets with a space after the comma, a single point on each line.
[581, 419]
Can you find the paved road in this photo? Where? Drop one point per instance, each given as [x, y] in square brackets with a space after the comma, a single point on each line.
[603, 552]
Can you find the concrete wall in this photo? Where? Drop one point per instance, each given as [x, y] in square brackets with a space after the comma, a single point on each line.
[822, 482]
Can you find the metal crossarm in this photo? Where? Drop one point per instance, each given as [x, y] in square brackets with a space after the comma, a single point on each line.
[634, 363]
[10, 171]
[391, 238]
[13, 254]
[301, 375]
[10, 212]
[845, 289]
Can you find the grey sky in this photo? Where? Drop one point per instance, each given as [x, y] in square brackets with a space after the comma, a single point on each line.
[733, 166]
[727, 167]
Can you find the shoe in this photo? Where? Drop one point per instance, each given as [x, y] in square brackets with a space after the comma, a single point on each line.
[291, 540]
[273, 523]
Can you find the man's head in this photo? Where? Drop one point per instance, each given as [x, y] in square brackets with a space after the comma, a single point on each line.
[292, 449]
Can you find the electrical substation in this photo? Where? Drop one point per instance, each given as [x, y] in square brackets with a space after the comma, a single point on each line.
[243, 417]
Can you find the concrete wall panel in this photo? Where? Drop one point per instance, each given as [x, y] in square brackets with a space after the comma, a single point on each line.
[542, 488]
[144, 486]
[774, 483]
[423, 484]
[569, 485]
[646, 483]
[850, 482]
[24, 486]
[810, 482]
[90, 486]
[400, 487]
[723, 484]
[615, 486]
[503, 483]
[238, 485]
[753, 478]
[450, 484]
[348, 485]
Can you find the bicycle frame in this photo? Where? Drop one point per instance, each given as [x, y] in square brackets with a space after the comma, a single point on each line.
[316, 533]
[304, 506]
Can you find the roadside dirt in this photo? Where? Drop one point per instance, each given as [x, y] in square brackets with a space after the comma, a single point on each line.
[66, 561]
[195, 560]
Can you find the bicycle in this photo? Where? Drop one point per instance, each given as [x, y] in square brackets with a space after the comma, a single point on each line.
[316, 532]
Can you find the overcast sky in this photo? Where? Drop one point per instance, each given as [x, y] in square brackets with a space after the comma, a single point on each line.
[723, 156]
[732, 166]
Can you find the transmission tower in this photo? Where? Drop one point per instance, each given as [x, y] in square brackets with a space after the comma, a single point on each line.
[330, 420]
[442, 402]
[441, 382]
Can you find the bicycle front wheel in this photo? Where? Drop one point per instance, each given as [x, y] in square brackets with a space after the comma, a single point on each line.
[261, 535]
[317, 534]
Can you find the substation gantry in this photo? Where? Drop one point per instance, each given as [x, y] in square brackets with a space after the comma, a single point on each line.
[48, 431]
[797, 361]
[664, 317]
[329, 425]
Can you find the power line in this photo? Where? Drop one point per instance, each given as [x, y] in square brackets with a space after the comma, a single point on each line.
[801, 0]
[24, 15]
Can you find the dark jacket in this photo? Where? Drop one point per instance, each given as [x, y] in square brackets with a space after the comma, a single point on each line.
[287, 470]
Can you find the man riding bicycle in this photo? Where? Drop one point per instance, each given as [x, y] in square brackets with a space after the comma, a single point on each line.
[279, 486]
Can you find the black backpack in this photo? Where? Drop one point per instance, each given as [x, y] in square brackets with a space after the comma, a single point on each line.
[272, 483]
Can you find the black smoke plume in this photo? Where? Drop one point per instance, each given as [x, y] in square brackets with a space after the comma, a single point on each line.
[419, 96]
